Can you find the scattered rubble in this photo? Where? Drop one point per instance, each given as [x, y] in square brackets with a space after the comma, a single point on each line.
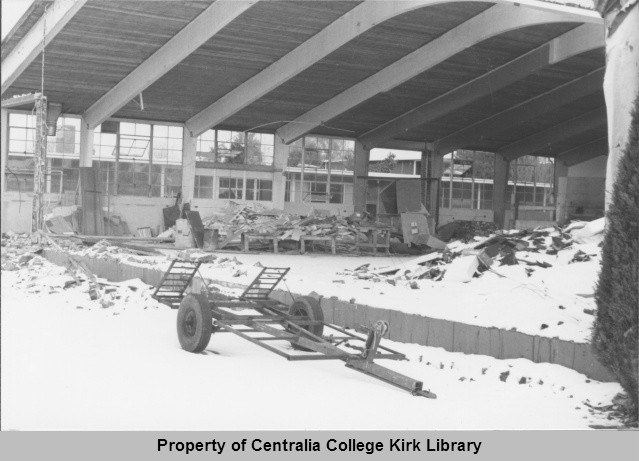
[459, 261]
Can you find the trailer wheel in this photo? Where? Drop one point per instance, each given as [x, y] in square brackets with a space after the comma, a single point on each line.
[194, 323]
[310, 309]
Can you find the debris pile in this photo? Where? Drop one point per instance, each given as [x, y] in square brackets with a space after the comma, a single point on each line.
[17, 250]
[460, 261]
[258, 220]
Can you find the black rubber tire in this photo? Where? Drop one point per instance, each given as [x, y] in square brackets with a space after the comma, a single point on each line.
[194, 323]
[309, 308]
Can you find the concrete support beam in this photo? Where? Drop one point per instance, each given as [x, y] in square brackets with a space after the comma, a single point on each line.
[431, 173]
[4, 145]
[493, 21]
[542, 142]
[86, 144]
[189, 151]
[185, 42]
[560, 191]
[584, 152]
[57, 15]
[361, 171]
[500, 197]
[525, 111]
[352, 24]
[279, 179]
[584, 38]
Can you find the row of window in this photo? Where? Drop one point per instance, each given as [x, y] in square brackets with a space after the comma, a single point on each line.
[233, 188]
[237, 147]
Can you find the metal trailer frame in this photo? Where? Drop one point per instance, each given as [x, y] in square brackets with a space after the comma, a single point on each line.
[276, 327]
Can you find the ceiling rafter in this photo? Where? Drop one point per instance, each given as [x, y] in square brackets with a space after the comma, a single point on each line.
[57, 15]
[545, 139]
[185, 42]
[491, 22]
[584, 38]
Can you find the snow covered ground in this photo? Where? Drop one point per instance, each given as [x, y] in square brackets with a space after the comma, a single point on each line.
[69, 363]
[555, 302]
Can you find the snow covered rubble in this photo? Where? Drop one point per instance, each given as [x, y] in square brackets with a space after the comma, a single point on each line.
[69, 362]
[544, 287]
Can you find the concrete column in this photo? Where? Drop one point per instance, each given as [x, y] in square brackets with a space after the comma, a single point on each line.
[621, 85]
[361, 169]
[279, 177]
[561, 192]
[189, 151]
[86, 144]
[431, 173]
[4, 142]
[500, 197]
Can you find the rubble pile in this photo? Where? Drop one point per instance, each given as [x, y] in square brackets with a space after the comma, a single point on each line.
[460, 261]
[39, 276]
[256, 219]
[17, 250]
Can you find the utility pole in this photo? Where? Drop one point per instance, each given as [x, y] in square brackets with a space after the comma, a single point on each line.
[40, 159]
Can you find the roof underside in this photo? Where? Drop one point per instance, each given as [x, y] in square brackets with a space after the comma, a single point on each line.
[106, 40]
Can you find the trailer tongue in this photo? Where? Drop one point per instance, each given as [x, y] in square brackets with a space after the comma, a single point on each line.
[273, 325]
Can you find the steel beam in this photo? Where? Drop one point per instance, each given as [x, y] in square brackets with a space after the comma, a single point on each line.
[185, 42]
[527, 110]
[584, 38]
[496, 20]
[545, 139]
[48, 26]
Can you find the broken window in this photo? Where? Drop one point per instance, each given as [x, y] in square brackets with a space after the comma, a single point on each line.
[139, 159]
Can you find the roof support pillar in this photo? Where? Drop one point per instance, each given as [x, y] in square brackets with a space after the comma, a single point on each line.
[359, 176]
[86, 144]
[279, 176]
[4, 143]
[561, 192]
[189, 152]
[431, 172]
[500, 196]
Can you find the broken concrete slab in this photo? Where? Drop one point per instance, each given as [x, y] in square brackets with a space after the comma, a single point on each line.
[462, 269]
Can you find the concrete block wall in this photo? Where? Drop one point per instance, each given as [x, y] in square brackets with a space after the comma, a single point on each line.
[406, 328]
